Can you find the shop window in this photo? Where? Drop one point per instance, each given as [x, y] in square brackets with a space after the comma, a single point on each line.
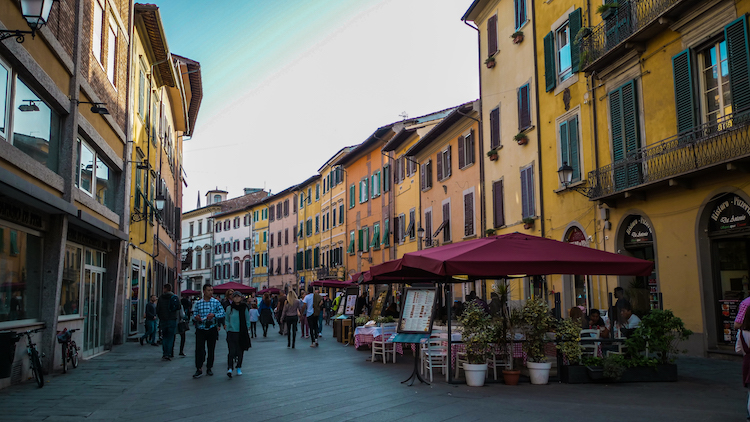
[21, 261]
[70, 293]
[94, 176]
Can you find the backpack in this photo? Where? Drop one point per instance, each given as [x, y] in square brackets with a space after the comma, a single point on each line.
[317, 300]
[174, 304]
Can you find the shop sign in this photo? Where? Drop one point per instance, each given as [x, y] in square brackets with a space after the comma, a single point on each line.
[638, 231]
[15, 214]
[86, 239]
[575, 236]
[731, 213]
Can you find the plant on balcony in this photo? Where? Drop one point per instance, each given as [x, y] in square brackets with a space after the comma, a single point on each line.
[492, 154]
[489, 232]
[582, 33]
[521, 138]
[517, 37]
[528, 222]
[490, 62]
[607, 9]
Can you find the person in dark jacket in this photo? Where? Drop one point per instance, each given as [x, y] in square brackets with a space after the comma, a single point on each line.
[150, 335]
[168, 311]
[266, 313]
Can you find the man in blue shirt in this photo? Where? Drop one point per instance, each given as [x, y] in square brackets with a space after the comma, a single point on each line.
[206, 312]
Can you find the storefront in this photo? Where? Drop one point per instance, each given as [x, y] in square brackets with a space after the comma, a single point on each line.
[637, 240]
[20, 267]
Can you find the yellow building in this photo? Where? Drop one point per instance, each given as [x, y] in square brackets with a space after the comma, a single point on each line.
[659, 145]
[333, 237]
[308, 231]
[282, 250]
[260, 245]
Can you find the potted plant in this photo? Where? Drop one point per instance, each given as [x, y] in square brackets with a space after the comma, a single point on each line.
[490, 62]
[505, 326]
[582, 33]
[607, 9]
[537, 323]
[489, 232]
[521, 138]
[517, 37]
[528, 222]
[569, 344]
[477, 336]
[492, 154]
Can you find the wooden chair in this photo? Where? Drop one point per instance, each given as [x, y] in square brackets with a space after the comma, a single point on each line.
[385, 346]
[498, 359]
[590, 349]
[435, 355]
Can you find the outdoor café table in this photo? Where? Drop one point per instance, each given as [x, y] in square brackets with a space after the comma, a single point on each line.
[366, 335]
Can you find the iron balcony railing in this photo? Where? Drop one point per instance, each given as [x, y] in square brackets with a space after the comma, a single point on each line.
[627, 19]
[710, 144]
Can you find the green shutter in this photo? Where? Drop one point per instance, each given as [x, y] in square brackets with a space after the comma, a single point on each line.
[573, 148]
[735, 35]
[550, 72]
[618, 150]
[365, 239]
[574, 27]
[350, 249]
[386, 233]
[683, 91]
[564, 156]
[351, 196]
[316, 257]
[359, 240]
[625, 134]
[375, 244]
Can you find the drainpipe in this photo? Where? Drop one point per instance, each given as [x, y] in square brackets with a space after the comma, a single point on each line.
[538, 127]
[482, 196]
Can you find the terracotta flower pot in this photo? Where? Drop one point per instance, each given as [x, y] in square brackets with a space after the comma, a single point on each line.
[493, 157]
[490, 64]
[517, 39]
[511, 377]
[527, 226]
[523, 141]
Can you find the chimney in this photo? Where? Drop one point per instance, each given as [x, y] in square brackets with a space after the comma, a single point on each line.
[199, 199]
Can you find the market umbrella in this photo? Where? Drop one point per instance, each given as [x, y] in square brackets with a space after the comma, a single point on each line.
[333, 283]
[270, 291]
[515, 253]
[222, 288]
[190, 293]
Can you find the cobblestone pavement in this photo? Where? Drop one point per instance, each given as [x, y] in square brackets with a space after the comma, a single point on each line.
[337, 383]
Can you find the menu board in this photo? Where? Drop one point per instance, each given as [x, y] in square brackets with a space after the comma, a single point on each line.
[417, 310]
[728, 309]
[351, 300]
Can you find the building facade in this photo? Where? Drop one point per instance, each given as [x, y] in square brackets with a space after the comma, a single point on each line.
[282, 239]
[308, 231]
[332, 206]
[198, 244]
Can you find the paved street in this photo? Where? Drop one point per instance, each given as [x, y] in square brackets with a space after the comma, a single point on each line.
[337, 383]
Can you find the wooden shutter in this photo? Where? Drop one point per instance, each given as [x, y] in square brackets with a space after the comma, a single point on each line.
[564, 147]
[428, 228]
[498, 204]
[446, 222]
[684, 94]
[316, 257]
[447, 168]
[495, 128]
[550, 69]
[524, 111]
[735, 35]
[469, 214]
[351, 196]
[422, 173]
[402, 169]
[573, 148]
[461, 148]
[439, 163]
[359, 240]
[527, 192]
[470, 147]
[575, 23]
[491, 36]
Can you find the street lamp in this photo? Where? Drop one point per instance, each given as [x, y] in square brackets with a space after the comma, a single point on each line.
[159, 202]
[565, 173]
[36, 13]
[420, 236]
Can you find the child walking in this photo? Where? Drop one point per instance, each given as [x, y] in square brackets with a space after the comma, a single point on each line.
[254, 316]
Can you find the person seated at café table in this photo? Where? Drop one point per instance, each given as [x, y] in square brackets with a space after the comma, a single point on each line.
[577, 314]
[390, 311]
[597, 323]
[630, 320]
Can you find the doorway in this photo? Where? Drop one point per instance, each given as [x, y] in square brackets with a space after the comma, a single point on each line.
[731, 277]
[92, 311]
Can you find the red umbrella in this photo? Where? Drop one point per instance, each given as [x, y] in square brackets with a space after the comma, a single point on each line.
[270, 291]
[333, 283]
[516, 253]
[222, 288]
[190, 293]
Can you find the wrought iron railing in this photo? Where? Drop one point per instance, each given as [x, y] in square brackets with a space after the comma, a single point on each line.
[704, 146]
[630, 17]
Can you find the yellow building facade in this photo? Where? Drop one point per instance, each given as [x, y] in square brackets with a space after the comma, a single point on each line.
[260, 245]
[308, 231]
[333, 237]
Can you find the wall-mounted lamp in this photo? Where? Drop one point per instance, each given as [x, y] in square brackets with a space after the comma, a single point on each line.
[366, 258]
[31, 106]
[96, 108]
[420, 236]
[565, 173]
[36, 13]
[159, 202]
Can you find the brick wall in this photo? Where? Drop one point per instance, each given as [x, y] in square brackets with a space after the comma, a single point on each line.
[62, 24]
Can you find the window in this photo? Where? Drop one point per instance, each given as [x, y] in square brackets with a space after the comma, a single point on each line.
[301, 229]
[400, 229]
[279, 211]
[70, 293]
[561, 51]
[217, 272]
[200, 227]
[428, 227]
[227, 247]
[270, 267]
[236, 222]
[568, 131]
[227, 269]
[217, 249]
[112, 51]
[446, 225]
[286, 208]
[94, 176]
[98, 24]
[341, 213]
[375, 184]
[270, 241]
[317, 224]
[264, 214]
[411, 166]
[278, 237]
[246, 244]
[524, 108]
[375, 244]
[352, 193]
[236, 246]
[386, 233]
[495, 128]
[218, 227]
[498, 211]
[386, 178]
[209, 225]
[309, 195]
[309, 227]
[492, 36]
[227, 224]
[468, 214]
[265, 236]
[520, 9]
[716, 94]
[410, 229]
[528, 209]
[141, 92]
[334, 216]
[271, 212]
[35, 132]
[286, 265]
[294, 203]
[466, 150]
[286, 236]
[236, 269]
[425, 175]
[623, 110]
[350, 249]
[248, 268]
[363, 190]
[317, 192]
[443, 161]
[217, 199]
[198, 260]
[365, 246]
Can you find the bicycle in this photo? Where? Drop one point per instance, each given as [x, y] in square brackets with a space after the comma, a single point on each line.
[34, 355]
[68, 348]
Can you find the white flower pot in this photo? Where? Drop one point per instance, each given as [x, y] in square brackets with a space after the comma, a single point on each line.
[539, 372]
[475, 374]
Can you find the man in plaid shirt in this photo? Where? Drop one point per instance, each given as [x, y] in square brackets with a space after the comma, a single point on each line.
[206, 312]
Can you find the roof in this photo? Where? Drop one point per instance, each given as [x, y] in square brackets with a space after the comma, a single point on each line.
[365, 146]
[195, 82]
[149, 13]
[398, 139]
[403, 135]
[241, 203]
[308, 181]
[280, 194]
[458, 113]
[472, 12]
[334, 158]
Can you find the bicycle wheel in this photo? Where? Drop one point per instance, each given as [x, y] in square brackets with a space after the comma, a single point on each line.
[73, 350]
[36, 368]
[64, 349]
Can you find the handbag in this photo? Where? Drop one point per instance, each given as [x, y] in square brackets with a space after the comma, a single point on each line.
[183, 326]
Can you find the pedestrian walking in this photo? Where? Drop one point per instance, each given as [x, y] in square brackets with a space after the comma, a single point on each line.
[313, 302]
[238, 339]
[327, 307]
[266, 313]
[743, 346]
[150, 319]
[227, 299]
[280, 313]
[168, 310]
[304, 326]
[254, 316]
[183, 326]
[290, 313]
[206, 313]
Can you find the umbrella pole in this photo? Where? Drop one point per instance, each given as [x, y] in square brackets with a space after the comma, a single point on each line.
[448, 305]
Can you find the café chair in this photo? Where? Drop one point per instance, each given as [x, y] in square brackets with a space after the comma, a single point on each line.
[498, 359]
[384, 346]
[435, 355]
[590, 349]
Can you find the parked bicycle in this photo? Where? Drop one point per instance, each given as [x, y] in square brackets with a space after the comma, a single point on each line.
[34, 355]
[69, 348]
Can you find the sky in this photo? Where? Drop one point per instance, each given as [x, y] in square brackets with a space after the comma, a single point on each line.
[288, 83]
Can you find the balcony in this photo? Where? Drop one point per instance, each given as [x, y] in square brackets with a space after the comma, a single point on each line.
[685, 155]
[628, 27]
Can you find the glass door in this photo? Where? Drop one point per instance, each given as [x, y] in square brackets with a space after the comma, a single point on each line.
[731, 284]
[92, 306]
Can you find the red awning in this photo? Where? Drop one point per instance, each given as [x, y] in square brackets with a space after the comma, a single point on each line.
[270, 291]
[333, 283]
[190, 293]
[222, 288]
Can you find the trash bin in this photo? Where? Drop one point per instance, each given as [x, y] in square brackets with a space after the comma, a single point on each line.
[7, 352]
